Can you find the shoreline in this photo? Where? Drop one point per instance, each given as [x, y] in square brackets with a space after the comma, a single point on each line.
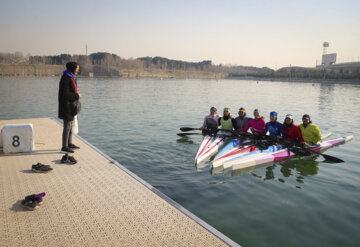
[161, 77]
[296, 81]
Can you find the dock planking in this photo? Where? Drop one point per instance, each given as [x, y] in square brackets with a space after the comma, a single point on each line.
[96, 202]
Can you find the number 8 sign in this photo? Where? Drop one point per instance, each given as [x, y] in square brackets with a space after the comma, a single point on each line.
[18, 138]
[16, 141]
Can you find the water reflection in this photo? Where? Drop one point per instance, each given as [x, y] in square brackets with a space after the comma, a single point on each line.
[269, 174]
[285, 171]
[185, 139]
[326, 97]
[308, 167]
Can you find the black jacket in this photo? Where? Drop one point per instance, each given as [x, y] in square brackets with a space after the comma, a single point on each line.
[67, 96]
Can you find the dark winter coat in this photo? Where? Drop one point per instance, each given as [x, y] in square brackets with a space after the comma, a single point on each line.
[67, 96]
[240, 122]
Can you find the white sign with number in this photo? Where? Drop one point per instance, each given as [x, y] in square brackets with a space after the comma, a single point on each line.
[17, 138]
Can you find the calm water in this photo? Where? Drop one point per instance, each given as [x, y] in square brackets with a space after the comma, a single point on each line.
[297, 203]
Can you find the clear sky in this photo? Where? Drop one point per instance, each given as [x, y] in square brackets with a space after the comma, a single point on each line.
[252, 33]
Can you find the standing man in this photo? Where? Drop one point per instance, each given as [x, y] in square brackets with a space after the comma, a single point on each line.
[68, 94]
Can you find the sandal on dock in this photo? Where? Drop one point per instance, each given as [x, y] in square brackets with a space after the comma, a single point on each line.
[35, 198]
[30, 205]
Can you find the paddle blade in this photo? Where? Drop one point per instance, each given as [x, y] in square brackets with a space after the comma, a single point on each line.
[328, 157]
[187, 134]
[332, 158]
[187, 129]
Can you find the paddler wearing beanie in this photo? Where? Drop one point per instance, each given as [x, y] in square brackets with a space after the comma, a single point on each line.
[210, 124]
[225, 121]
[292, 131]
[275, 128]
[309, 131]
[242, 120]
[257, 125]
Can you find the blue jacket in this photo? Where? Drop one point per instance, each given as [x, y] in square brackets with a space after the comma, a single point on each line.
[275, 129]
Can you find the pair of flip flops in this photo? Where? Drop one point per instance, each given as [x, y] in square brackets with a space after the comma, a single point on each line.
[32, 202]
[67, 159]
[41, 168]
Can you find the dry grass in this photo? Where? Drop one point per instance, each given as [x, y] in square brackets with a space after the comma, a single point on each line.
[56, 70]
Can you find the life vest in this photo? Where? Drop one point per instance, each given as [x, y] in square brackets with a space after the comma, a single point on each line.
[226, 124]
[241, 122]
[211, 124]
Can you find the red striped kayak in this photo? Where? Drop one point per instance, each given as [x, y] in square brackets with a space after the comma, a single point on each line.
[259, 158]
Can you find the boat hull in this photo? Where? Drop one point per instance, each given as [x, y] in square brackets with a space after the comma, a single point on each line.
[234, 150]
[207, 140]
[212, 149]
[266, 157]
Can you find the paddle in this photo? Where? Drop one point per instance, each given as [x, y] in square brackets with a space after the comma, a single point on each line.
[188, 129]
[235, 133]
[327, 157]
[297, 150]
[184, 129]
[188, 134]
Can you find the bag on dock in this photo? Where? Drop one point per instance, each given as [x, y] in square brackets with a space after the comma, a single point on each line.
[76, 107]
[75, 125]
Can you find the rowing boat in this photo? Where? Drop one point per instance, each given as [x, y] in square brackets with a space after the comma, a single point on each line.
[251, 155]
[210, 146]
[276, 153]
[231, 152]
[204, 143]
[236, 149]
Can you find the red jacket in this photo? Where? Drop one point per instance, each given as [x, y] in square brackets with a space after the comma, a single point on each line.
[293, 133]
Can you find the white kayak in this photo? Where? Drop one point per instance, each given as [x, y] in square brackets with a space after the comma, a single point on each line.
[235, 149]
[205, 142]
[210, 147]
[276, 153]
[233, 143]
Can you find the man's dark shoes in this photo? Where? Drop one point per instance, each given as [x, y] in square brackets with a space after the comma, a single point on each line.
[73, 146]
[66, 150]
[41, 168]
[72, 160]
[67, 159]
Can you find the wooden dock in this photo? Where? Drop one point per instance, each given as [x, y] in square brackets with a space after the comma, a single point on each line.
[96, 202]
